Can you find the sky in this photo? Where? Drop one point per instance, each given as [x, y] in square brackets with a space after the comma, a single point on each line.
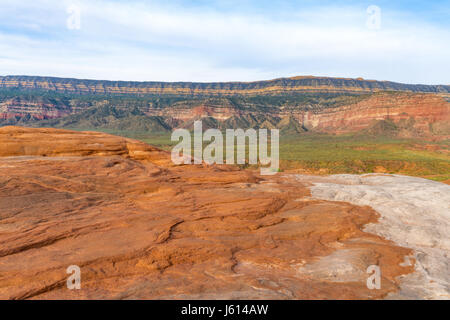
[226, 40]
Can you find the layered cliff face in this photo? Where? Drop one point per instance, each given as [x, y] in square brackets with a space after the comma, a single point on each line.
[420, 112]
[282, 85]
[406, 113]
[185, 110]
[34, 108]
[403, 114]
[425, 114]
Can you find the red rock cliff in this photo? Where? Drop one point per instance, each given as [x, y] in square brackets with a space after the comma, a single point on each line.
[426, 109]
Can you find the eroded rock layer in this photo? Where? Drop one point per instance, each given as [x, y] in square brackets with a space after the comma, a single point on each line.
[395, 113]
[282, 85]
[424, 113]
[140, 228]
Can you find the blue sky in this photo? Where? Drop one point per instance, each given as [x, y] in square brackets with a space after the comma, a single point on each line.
[226, 40]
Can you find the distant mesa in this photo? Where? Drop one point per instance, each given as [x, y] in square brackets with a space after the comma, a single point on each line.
[268, 87]
[294, 105]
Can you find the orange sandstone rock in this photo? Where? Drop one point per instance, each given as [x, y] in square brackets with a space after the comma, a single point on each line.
[140, 228]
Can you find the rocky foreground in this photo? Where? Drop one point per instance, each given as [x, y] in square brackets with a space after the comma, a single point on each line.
[141, 228]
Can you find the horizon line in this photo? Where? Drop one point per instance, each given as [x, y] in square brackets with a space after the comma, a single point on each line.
[234, 81]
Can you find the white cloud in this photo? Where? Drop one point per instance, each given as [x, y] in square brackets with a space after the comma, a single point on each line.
[160, 42]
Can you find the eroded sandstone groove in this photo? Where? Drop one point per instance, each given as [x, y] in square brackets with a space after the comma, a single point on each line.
[140, 228]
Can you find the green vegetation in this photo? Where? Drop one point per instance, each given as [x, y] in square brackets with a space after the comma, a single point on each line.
[329, 154]
[365, 154]
[376, 149]
[111, 118]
